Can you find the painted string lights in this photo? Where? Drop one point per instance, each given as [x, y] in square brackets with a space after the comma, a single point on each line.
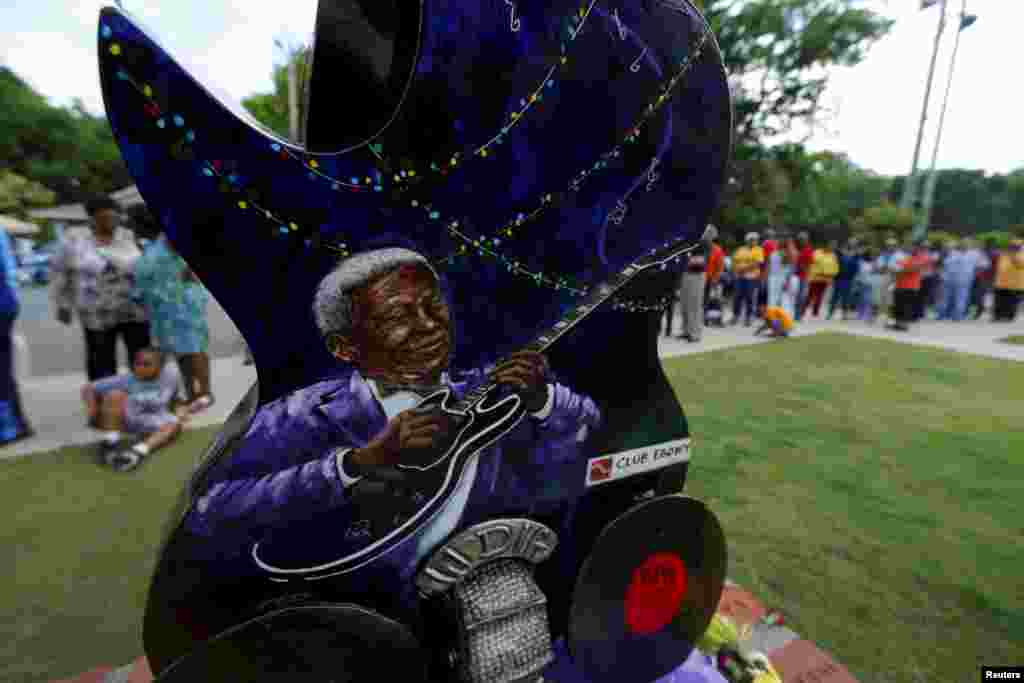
[482, 246]
[405, 176]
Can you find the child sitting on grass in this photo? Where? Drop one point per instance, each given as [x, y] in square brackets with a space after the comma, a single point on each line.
[776, 321]
[139, 403]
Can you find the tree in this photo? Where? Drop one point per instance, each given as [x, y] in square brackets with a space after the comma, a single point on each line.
[777, 51]
[18, 194]
[271, 109]
[970, 200]
[786, 185]
[879, 222]
[1000, 238]
[67, 150]
[755, 196]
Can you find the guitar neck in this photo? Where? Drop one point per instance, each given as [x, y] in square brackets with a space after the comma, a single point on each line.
[591, 302]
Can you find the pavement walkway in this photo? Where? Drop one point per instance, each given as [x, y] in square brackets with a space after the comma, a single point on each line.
[57, 415]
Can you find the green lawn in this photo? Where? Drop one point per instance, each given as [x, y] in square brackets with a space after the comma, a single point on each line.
[870, 489]
[1013, 339]
[873, 491]
[78, 546]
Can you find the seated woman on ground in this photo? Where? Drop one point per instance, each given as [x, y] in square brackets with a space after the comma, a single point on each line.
[138, 403]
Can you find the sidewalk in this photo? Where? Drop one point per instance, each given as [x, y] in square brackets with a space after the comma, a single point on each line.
[54, 406]
[55, 409]
[975, 337]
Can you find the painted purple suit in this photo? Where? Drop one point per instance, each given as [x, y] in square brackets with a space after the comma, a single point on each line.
[284, 471]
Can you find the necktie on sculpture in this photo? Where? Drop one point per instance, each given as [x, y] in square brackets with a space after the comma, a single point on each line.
[492, 199]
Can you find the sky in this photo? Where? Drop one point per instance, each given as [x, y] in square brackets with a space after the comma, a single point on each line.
[229, 44]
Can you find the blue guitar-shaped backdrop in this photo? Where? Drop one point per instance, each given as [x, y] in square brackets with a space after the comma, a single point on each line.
[482, 189]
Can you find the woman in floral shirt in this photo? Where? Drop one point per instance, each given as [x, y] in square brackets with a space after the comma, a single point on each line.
[94, 277]
[176, 302]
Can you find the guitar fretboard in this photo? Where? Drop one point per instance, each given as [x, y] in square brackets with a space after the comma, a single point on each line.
[591, 302]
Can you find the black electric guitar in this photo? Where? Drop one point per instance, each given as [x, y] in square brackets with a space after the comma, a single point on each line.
[430, 479]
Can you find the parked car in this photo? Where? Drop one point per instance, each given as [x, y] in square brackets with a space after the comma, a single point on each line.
[35, 268]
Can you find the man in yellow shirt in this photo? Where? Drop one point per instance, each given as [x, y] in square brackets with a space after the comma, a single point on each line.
[823, 270]
[1009, 282]
[746, 266]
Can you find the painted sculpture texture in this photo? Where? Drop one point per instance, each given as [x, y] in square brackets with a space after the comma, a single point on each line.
[471, 172]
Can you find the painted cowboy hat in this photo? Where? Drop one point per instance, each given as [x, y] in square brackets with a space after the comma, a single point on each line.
[528, 149]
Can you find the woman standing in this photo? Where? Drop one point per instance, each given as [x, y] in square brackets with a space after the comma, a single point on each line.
[13, 424]
[780, 266]
[177, 302]
[1009, 284]
[94, 276]
[870, 278]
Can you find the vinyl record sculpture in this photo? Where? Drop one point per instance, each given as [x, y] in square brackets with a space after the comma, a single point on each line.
[452, 291]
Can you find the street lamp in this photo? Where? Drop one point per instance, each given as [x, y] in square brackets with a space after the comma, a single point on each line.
[293, 90]
[924, 219]
[910, 186]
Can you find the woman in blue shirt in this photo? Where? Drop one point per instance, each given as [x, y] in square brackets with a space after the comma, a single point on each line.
[13, 425]
[176, 302]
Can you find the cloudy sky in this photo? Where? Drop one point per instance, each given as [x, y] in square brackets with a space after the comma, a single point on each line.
[230, 44]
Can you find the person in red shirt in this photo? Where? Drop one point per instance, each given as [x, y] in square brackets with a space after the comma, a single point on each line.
[909, 274]
[713, 272]
[983, 280]
[804, 261]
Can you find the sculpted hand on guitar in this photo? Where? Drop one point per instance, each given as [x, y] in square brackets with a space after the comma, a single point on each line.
[527, 372]
[407, 431]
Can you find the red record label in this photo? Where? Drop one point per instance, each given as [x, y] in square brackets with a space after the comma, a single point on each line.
[656, 593]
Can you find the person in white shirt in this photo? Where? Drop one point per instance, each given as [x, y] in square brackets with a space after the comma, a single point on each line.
[962, 264]
[887, 262]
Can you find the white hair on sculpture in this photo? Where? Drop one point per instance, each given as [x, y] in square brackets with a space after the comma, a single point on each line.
[332, 303]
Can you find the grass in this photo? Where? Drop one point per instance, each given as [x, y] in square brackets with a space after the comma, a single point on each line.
[79, 542]
[1014, 339]
[870, 489]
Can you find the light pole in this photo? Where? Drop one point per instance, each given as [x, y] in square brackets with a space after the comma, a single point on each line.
[924, 219]
[910, 186]
[293, 91]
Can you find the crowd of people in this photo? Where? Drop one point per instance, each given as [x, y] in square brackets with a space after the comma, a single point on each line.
[783, 279]
[129, 286]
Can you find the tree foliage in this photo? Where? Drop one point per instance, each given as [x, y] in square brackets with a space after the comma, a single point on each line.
[786, 185]
[971, 201]
[882, 221]
[776, 53]
[18, 194]
[65, 149]
[1000, 238]
[271, 109]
